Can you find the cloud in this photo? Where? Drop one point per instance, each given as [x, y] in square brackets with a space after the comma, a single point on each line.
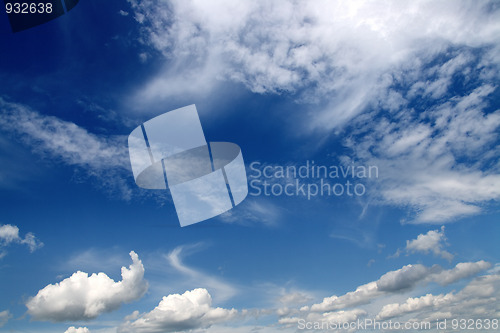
[178, 313]
[328, 50]
[349, 307]
[479, 299]
[252, 212]
[400, 280]
[4, 317]
[432, 241]
[73, 144]
[413, 79]
[83, 297]
[441, 161]
[460, 271]
[403, 279]
[103, 157]
[223, 290]
[73, 329]
[362, 295]
[10, 234]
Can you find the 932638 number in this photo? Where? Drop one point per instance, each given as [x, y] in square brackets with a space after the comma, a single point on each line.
[28, 8]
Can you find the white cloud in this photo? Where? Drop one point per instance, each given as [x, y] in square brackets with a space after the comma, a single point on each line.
[344, 59]
[413, 305]
[73, 329]
[100, 156]
[362, 295]
[400, 280]
[82, 297]
[10, 234]
[432, 241]
[66, 140]
[353, 305]
[460, 271]
[441, 162]
[178, 313]
[252, 212]
[326, 48]
[4, 317]
[479, 299]
[223, 289]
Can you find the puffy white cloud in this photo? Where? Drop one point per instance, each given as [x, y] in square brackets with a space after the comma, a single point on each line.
[479, 299]
[362, 295]
[10, 234]
[460, 271]
[73, 329]
[82, 297]
[413, 305]
[402, 279]
[432, 241]
[353, 305]
[397, 281]
[4, 317]
[177, 313]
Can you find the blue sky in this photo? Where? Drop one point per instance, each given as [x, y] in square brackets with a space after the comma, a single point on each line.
[411, 88]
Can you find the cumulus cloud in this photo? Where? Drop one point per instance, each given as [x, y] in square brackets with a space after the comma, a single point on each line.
[83, 297]
[4, 317]
[178, 313]
[413, 78]
[413, 305]
[403, 279]
[432, 241]
[9, 234]
[400, 280]
[362, 295]
[349, 307]
[479, 299]
[73, 329]
[460, 271]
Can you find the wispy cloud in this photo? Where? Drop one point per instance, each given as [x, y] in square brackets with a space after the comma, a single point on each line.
[222, 290]
[411, 81]
[103, 159]
[4, 317]
[9, 234]
[331, 52]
